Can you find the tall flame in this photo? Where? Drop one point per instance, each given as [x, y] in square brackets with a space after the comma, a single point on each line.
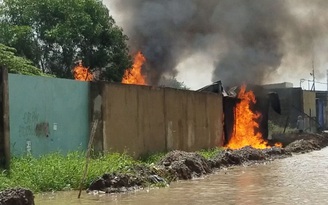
[82, 73]
[134, 75]
[244, 133]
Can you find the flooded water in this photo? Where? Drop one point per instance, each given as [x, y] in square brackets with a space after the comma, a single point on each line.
[302, 179]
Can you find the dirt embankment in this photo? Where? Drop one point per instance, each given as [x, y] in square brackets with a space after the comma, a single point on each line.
[134, 178]
[180, 165]
[17, 196]
[302, 142]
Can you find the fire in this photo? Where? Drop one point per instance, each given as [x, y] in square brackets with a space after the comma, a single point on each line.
[244, 133]
[133, 75]
[278, 144]
[82, 73]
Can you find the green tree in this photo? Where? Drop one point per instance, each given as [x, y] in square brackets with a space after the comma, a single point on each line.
[16, 64]
[54, 34]
[172, 82]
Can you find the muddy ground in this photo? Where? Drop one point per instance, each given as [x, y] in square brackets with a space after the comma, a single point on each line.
[180, 165]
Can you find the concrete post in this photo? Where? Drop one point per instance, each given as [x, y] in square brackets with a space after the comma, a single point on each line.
[96, 107]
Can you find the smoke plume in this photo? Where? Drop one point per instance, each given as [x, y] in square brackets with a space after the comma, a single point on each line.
[249, 40]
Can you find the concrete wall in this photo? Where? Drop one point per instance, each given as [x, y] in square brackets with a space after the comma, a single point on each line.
[133, 119]
[291, 102]
[194, 120]
[296, 102]
[50, 114]
[309, 107]
[278, 85]
[143, 119]
[322, 96]
[47, 115]
[309, 104]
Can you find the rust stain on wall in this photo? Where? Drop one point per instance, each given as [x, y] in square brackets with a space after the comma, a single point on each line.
[31, 126]
[42, 129]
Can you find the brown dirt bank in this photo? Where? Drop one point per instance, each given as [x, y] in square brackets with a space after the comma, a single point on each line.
[135, 178]
[16, 196]
[180, 165]
[287, 139]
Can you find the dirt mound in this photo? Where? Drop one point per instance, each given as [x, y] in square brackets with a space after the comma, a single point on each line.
[303, 146]
[16, 196]
[135, 178]
[276, 153]
[246, 155]
[112, 183]
[289, 138]
[308, 143]
[185, 165]
[180, 165]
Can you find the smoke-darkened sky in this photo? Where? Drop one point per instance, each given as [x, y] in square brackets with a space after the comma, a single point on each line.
[236, 41]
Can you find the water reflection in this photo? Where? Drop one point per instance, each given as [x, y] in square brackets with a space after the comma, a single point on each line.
[302, 179]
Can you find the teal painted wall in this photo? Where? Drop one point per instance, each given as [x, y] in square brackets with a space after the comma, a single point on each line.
[47, 115]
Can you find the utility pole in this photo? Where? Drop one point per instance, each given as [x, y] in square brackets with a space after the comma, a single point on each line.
[313, 86]
[313, 55]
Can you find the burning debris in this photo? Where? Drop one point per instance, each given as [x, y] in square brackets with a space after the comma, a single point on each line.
[245, 111]
[82, 73]
[246, 130]
[134, 75]
[244, 133]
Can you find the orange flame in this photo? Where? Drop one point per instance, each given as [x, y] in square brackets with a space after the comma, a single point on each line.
[81, 73]
[133, 75]
[244, 133]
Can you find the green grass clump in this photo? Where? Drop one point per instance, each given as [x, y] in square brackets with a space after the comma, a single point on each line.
[55, 172]
[210, 153]
[152, 158]
[5, 182]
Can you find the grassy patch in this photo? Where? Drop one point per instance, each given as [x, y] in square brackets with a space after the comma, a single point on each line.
[152, 158]
[56, 172]
[210, 153]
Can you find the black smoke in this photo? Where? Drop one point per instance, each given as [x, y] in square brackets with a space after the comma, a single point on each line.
[249, 39]
[254, 38]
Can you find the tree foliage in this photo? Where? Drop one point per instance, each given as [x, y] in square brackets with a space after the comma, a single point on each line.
[172, 82]
[16, 64]
[54, 34]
